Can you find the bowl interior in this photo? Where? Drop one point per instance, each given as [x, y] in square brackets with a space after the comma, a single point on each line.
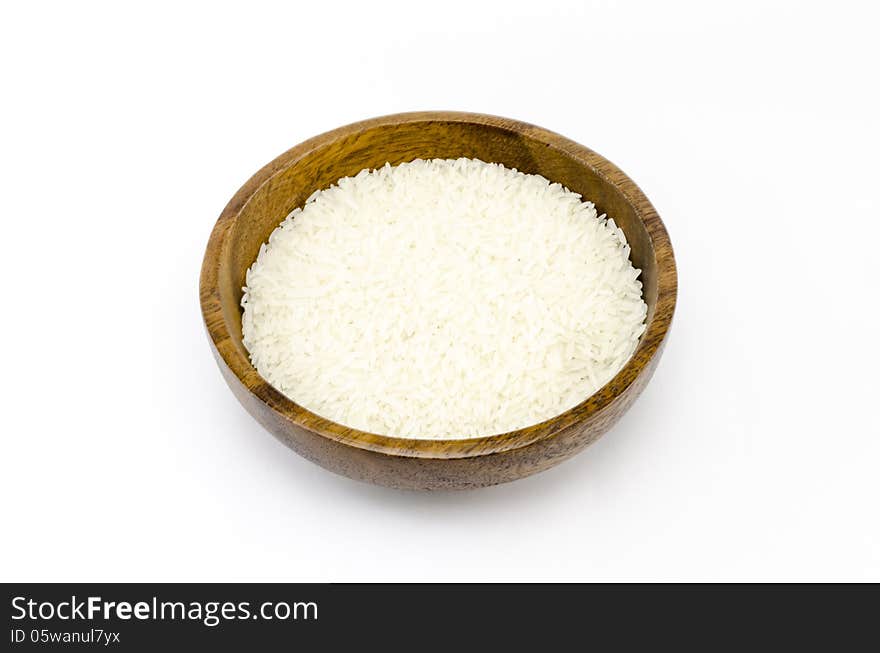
[529, 151]
[285, 183]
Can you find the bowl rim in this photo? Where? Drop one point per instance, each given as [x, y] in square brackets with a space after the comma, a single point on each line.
[649, 345]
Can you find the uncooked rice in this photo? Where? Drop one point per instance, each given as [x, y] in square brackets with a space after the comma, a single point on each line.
[442, 299]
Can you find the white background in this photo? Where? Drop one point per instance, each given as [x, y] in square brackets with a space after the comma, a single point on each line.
[755, 131]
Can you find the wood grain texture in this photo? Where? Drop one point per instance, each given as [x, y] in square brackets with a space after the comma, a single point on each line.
[285, 183]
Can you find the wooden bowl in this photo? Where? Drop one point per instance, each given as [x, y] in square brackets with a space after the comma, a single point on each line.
[285, 183]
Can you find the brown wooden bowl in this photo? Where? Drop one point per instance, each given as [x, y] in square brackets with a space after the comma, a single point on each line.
[285, 183]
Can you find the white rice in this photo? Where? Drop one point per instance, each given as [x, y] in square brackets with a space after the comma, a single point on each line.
[442, 299]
